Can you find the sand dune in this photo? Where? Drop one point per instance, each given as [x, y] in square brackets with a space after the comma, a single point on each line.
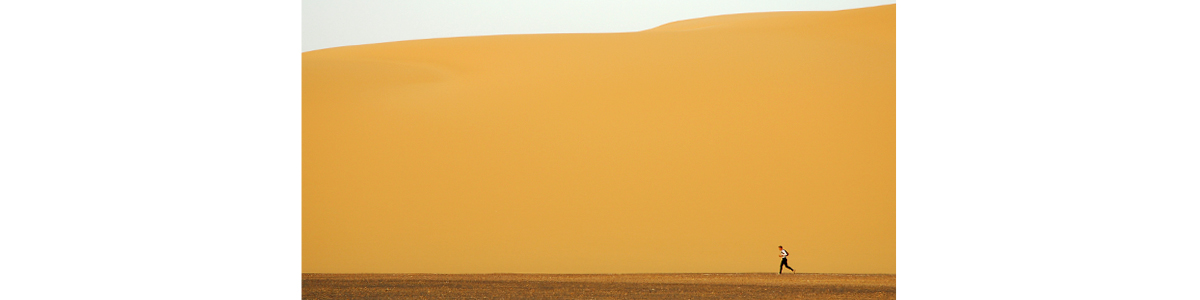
[696, 146]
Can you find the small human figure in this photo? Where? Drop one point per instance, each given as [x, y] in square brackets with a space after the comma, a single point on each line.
[782, 264]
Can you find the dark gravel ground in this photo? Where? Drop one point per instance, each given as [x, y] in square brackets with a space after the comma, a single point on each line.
[599, 286]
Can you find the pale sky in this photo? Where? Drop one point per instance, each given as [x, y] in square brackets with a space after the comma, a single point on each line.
[334, 23]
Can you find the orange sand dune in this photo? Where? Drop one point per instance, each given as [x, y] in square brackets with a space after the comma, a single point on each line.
[697, 146]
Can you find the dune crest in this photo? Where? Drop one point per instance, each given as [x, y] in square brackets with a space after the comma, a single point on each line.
[796, 20]
[696, 146]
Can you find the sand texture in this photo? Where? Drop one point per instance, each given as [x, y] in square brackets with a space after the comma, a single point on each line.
[697, 146]
[591, 286]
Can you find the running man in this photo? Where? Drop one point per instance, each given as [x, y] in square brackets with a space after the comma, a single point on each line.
[784, 254]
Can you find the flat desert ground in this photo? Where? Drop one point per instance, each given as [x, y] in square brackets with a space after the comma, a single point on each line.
[599, 286]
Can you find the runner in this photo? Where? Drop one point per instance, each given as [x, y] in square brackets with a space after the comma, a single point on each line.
[784, 254]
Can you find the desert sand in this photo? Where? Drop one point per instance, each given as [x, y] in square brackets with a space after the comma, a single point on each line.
[599, 286]
[697, 146]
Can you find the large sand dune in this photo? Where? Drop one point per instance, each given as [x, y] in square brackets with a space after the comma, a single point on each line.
[697, 146]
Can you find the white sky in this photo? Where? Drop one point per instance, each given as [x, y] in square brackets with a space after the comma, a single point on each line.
[333, 23]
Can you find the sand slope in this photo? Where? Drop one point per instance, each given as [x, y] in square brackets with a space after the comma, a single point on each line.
[697, 146]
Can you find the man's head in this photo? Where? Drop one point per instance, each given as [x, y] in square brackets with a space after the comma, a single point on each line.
[781, 247]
